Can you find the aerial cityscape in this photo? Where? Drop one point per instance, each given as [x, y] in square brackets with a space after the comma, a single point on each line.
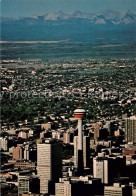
[68, 98]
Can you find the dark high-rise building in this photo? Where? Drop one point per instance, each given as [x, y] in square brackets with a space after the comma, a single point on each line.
[86, 151]
[130, 129]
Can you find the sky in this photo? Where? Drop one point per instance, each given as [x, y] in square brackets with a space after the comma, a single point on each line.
[12, 8]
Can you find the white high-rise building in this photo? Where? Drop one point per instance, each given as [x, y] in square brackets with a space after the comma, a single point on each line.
[101, 169]
[107, 168]
[3, 143]
[26, 152]
[49, 162]
[86, 151]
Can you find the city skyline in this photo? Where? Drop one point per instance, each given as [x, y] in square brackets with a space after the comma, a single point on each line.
[55, 55]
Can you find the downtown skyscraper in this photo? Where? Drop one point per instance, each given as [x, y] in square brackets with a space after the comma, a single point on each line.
[49, 163]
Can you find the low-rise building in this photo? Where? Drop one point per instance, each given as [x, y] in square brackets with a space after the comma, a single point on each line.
[117, 190]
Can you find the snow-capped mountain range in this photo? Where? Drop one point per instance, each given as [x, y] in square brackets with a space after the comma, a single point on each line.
[72, 26]
[105, 17]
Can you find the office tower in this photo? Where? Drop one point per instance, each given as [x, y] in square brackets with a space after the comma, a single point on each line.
[133, 192]
[96, 133]
[96, 129]
[111, 126]
[79, 114]
[67, 137]
[28, 184]
[17, 153]
[101, 169]
[130, 129]
[107, 168]
[118, 190]
[49, 163]
[86, 151]
[30, 153]
[26, 152]
[101, 134]
[3, 143]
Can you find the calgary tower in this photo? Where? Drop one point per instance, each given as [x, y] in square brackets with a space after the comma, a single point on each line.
[79, 113]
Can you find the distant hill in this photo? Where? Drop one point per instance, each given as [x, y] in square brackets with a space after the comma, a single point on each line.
[77, 26]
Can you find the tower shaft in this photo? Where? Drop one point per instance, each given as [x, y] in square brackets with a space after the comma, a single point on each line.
[80, 136]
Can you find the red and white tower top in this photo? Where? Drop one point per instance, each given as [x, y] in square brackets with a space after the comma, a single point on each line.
[80, 112]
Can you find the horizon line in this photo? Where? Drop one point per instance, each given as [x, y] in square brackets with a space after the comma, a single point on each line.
[66, 12]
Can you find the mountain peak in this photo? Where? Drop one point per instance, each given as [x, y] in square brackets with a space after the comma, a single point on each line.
[127, 17]
[126, 12]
